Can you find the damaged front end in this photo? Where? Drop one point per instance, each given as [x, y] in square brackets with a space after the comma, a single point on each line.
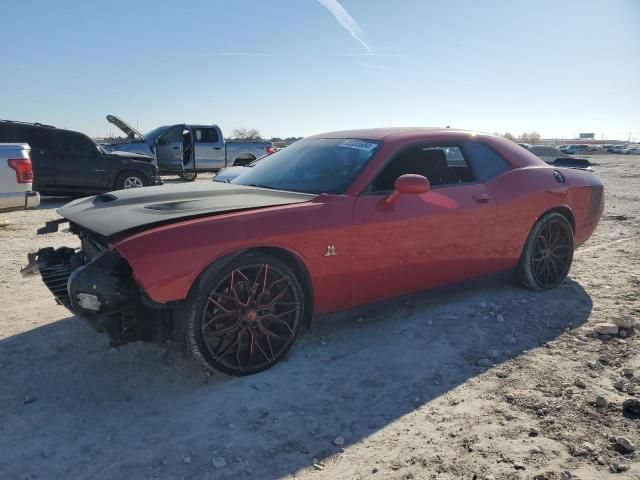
[96, 283]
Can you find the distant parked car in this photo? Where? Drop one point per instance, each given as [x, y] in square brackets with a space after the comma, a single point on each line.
[16, 177]
[617, 149]
[229, 173]
[185, 150]
[578, 148]
[634, 150]
[570, 149]
[68, 162]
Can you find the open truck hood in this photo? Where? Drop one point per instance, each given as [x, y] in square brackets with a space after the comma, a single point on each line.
[127, 210]
[128, 130]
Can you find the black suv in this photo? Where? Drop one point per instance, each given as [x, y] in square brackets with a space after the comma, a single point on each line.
[68, 162]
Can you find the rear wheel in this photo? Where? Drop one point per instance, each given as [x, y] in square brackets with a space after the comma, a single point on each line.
[127, 180]
[241, 162]
[548, 253]
[246, 316]
[188, 175]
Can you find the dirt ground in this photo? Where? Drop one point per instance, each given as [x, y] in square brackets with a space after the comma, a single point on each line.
[395, 395]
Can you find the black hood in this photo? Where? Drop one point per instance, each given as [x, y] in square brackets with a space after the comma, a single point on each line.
[127, 210]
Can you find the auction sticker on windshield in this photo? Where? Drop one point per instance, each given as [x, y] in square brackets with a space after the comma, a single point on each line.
[358, 144]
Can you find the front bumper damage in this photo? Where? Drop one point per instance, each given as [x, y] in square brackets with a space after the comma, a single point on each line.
[97, 284]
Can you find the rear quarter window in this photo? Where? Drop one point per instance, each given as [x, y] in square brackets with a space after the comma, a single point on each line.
[486, 162]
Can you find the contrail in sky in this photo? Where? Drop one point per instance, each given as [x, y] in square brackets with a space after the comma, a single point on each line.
[233, 54]
[346, 20]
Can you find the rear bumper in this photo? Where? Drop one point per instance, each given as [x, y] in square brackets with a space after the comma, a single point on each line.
[31, 200]
[19, 201]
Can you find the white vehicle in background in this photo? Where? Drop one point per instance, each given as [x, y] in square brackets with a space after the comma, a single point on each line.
[632, 150]
[617, 149]
[16, 176]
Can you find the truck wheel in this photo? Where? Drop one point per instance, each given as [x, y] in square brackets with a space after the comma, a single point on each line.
[245, 316]
[127, 180]
[188, 175]
[241, 162]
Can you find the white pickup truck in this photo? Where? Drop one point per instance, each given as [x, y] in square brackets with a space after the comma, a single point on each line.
[185, 149]
[16, 176]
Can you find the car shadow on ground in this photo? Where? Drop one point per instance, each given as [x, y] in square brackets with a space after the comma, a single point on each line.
[75, 408]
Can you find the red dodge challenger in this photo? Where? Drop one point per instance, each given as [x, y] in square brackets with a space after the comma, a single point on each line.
[332, 222]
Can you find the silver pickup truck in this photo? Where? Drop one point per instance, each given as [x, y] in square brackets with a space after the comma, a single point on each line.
[186, 150]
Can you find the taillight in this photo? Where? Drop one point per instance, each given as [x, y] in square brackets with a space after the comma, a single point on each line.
[23, 168]
[270, 150]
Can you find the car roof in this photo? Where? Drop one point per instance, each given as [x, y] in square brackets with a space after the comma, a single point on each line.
[380, 133]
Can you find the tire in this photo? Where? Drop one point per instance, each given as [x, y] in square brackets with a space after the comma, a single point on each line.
[188, 175]
[255, 327]
[548, 253]
[131, 179]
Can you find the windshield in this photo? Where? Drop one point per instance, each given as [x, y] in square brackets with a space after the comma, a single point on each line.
[320, 165]
[156, 132]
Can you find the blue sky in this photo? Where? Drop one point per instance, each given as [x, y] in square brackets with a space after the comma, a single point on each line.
[555, 66]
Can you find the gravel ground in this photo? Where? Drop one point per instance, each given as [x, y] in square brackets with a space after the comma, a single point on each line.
[487, 382]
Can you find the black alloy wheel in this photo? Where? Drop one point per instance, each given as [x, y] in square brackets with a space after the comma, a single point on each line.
[548, 253]
[247, 317]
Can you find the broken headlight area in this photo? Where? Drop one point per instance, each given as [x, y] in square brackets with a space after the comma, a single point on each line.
[97, 284]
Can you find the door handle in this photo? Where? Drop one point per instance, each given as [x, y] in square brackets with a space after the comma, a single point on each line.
[481, 197]
[176, 148]
[217, 148]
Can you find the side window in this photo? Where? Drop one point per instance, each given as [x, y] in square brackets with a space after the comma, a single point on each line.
[174, 134]
[442, 165]
[40, 138]
[205, 135]
[74, 142]
[485, 160]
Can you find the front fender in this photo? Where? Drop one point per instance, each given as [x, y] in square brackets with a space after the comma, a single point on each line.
[167, 260]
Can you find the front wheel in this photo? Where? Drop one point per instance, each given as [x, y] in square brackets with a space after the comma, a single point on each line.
[127, 180]
[548, 253]
[245, 316]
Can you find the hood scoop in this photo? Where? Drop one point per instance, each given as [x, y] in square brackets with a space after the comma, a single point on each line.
[189, 206]
[104, 198]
